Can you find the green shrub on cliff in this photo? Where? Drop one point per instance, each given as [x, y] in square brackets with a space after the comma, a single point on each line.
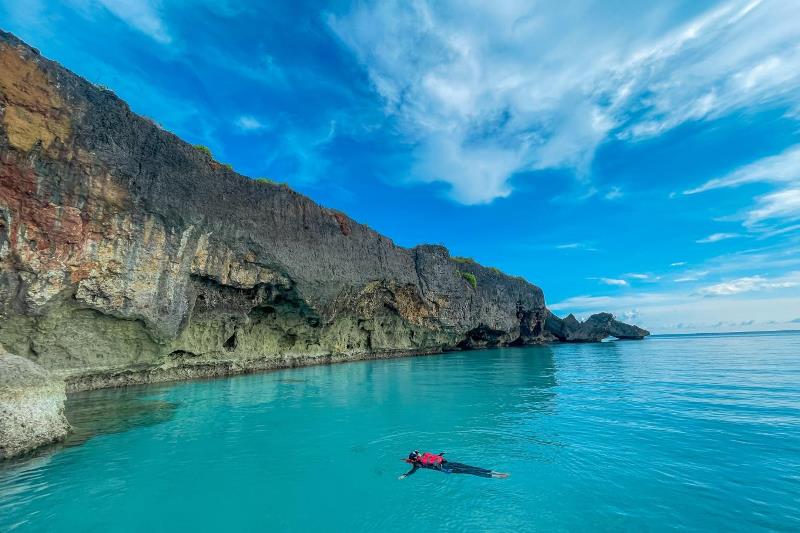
[271, 181]
[471, 261]
[470, 277]
[205, 149]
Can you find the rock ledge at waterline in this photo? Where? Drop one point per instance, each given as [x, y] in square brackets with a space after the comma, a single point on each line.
[31, 406]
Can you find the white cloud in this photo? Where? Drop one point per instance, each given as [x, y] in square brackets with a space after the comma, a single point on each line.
[614, 194]
[613, 281]
[750, 284]
[487, 90]
[794, 229]
[677, 263]
[249, 123]
[589, 304]
[783, 204]
[783, 256]
[784, 167]
[771, 212]
[692, 276]
[629, 316]
[677, 311]
[143, 15]
[759, 284]
[576, 246]
[716, 237]
[482, 171]
[775, 258]
[638, 276]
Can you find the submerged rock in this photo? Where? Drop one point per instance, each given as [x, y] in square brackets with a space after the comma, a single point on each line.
[31, 406]
[129, 256]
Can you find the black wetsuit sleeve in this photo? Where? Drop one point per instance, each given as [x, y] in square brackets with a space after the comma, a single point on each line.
[413, 469]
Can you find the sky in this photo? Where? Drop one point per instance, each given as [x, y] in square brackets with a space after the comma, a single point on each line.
[634, 157]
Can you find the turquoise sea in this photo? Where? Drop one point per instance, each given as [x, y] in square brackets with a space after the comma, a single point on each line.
[697, 433]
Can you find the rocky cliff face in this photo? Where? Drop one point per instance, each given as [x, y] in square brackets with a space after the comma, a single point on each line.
[593, 329]
[127, 255]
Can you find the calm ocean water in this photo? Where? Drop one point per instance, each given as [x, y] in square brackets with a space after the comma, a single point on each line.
[692, 433]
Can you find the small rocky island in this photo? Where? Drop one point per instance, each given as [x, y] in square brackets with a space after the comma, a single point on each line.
[129, 256]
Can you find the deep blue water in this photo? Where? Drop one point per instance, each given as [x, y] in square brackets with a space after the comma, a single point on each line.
[692, 433]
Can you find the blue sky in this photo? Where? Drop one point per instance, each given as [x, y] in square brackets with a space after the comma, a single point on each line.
[640, 160]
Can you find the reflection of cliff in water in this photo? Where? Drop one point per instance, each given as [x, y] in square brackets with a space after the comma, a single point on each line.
[101, 412]
[451, 398]
[528, 399]
[602, 361]
[114, 411]
[537, 369]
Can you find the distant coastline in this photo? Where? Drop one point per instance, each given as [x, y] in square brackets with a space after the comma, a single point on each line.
[725, 333]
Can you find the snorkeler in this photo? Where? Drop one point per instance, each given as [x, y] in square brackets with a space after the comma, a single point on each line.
[438, 462]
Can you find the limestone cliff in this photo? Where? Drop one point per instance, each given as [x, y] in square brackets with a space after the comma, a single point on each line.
[127, 255]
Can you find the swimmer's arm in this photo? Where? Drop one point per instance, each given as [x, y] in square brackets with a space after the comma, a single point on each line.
[413, 469]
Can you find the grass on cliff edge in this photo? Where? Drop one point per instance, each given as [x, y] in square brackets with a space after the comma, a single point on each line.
[471, 261]
[470, 277]
[207, 152]
[205, 149]
[272, 182]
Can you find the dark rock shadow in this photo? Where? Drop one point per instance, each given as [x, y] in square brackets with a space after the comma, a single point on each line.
[112, 411]
[100, 412]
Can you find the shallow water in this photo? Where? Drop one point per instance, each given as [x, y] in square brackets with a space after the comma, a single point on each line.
[697, 433]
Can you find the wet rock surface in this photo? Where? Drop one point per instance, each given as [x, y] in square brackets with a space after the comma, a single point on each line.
[129, 256]
[31, 406]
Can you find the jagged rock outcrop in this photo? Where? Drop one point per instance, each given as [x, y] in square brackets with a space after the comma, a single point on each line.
[594, 329]
[127, 255]
[31, 406]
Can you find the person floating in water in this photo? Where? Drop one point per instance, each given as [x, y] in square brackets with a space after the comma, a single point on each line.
[438, 462]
